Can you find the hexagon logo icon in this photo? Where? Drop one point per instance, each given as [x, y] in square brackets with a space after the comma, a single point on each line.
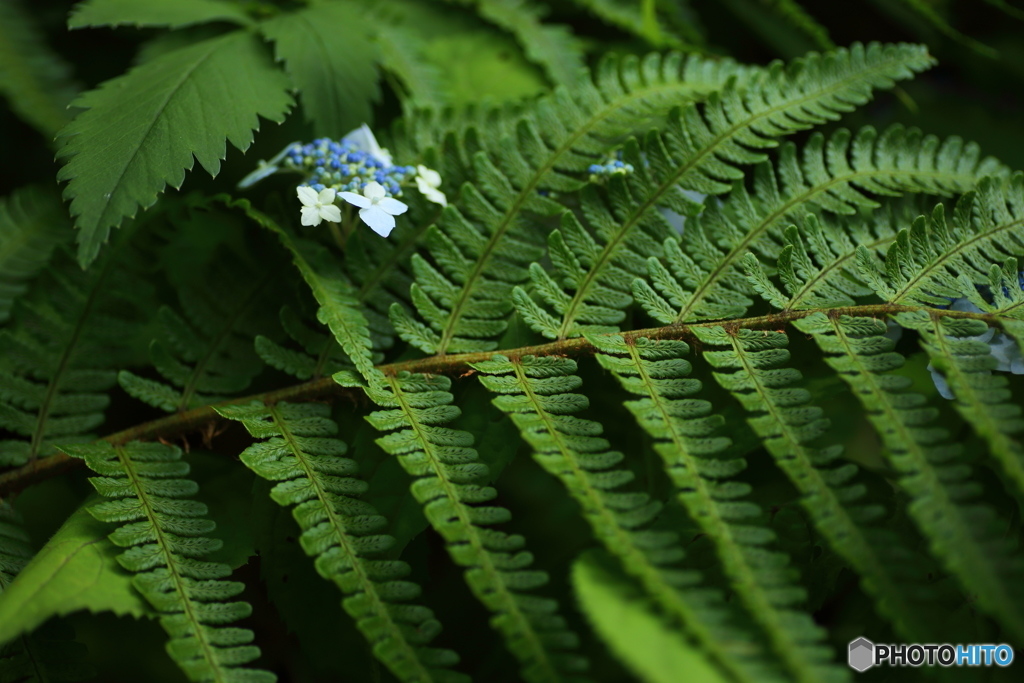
[862, 654]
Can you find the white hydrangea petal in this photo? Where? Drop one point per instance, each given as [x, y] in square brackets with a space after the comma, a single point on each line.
[326, 196]
[310, 215]
[379, 220]
[429, 176]
[330, 213]
[392, 206]
[356, 199]
[362, 138]
[432, 194]
[373, 190]
[307, 195]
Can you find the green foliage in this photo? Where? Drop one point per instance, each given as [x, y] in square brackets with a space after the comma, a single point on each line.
[122, 156]
[338, 530]
[76, 569]
[61, 354]
[164, 534]
[208, 353]
[633, 632]
[767, 388]
[332, 63]
[450, 484]
[50, 653]
[33, 78]
[176, 14]
[31, 226]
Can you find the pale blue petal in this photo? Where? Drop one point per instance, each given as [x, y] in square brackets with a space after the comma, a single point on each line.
[379, 220]
[353, 198]
[392, 206]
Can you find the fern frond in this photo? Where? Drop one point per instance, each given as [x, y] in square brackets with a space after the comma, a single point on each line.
[206, 354]
[61, 353]
[964, 533]
[696, 152]
[179, 111]
[684, 430]
[754, 366]
[34, 79]
[449, 484]
[338, 530]
[535, 393]
[49, 654]
[959, 350]
[320, 356]
[32, 223]
[164, 534]
[481, 248]
[703, 276]
[339, 309]
[927, 261]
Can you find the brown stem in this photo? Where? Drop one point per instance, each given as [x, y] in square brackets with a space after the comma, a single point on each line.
[199, 418]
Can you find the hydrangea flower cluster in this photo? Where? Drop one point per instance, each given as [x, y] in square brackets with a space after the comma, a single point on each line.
[355, 169]
[345, 167]
[1003, 348]
[599, 172]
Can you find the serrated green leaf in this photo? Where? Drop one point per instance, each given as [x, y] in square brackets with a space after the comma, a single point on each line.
[75, 570]
[140, 131]
[169, 13]
[327, 52]
[654, 652]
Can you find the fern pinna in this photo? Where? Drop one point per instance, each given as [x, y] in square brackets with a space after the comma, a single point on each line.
[338, 530]
[747, 398]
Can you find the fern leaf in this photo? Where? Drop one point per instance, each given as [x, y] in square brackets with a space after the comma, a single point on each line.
[753, 366]
[551, 46]
[49, 654]
[449, 482]
[702, 278]
[33, 78]
[122, 156]
[320, 355]
[482, 247]
[69, 335]
[164, 535]
[338, 530]
[535, 393]
[32, 223]
[964, 533]
[339, 309]
[926, 262]
[684, 432]
[959, 350]
[170, 13]
[326, 51]
[206, 354]
[697, 151]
